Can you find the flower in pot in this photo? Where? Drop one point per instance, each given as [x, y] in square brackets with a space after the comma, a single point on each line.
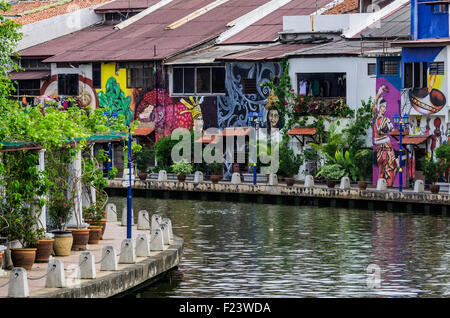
[142, 159]
[94, 215]
[289, 163]
[432, 170]
[44, 247]
[331, 173]
[59, 211]
[181, 168]
[215, 169]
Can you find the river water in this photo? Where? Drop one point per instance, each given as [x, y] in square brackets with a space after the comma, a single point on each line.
[261, 250]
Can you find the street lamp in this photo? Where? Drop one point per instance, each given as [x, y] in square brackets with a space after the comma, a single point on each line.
[401, 124]
[255, 120]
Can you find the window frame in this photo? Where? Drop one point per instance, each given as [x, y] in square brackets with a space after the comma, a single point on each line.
[422, 76]
[97, 83]
[19, 92]
[77, 84]
[386, 70]
[196, 93]
[130, 67]
[374, 70]
[435, 67]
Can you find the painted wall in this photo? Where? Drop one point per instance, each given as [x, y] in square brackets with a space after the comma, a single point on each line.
[427, 24]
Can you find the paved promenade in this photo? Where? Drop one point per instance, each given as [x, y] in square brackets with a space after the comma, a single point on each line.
[107, 283]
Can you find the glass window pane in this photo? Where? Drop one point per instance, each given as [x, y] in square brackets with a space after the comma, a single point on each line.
[203, 80]
[424, 74]
[177, 80]
[417, 76]
[218, 80]
[189, 80]
[407, 69]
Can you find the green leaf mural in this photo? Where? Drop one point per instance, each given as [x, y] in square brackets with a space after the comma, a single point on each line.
[114, 100]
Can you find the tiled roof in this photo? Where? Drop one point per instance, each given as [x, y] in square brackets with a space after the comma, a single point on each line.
[29, 12]
[414, 140]
[300, 131]
[143, 131]
[347, 6]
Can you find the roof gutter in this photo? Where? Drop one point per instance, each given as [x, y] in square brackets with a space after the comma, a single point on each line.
[142, 14]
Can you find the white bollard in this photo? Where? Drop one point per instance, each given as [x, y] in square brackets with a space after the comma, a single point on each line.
[142, 246]
[18, 285]
[236, 178]
[273, 179]
[156, 221]
[127, 252]
[124, 216]
[55, 277]
[198, 177]
[162, 175]
[345, 183]
[381, 184]
[165, 233]
[309, 181]
[156, 240]
[109, 259]
[169, 225]
[143, 220]
[87, 266]
[111, 212]
[419, 186]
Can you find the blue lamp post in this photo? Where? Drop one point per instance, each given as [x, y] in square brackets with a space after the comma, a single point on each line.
[255, 120]
[129, 208]
[401, 124]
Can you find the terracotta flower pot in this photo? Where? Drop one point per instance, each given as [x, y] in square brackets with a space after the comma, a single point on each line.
[1, 259]
[331, 184]
[181, 177]
[95, 233]
[362, 185]
[289, 181]
[62, 243]
[103, 227]
[80, 238]
[215, 178]
[23, 257]
[44, 249]
[142, 175]
[434, 188]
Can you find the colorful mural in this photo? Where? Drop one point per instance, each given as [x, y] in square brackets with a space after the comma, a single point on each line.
[113, 99]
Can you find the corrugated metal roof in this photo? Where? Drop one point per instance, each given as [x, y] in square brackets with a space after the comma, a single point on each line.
[17, 76]
[265, 52]
[167, 42]
[266, 29]
[208, 55]
[125, 5]
[395, 25]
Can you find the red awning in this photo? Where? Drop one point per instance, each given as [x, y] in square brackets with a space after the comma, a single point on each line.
[18, 76]
[414, 140]
[302, 131]
[143, 131]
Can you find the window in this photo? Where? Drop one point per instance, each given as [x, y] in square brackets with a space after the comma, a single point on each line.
[198, 80]
[139, 75]
[96, 75]
[28, 87]
[329, 85]
[440, 8]
[67, 65]
[437, 68]
[68, 84]
[388, 67]
[371, 69]
[249, 86]
[415, 75]
[33, 64]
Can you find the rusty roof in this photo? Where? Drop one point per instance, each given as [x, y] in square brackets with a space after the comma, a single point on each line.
[143, 131]
[267, 28]
[148, 38]
[414, 140]
[126, 5]
[17, 76]
[347, 6]
[300, 131]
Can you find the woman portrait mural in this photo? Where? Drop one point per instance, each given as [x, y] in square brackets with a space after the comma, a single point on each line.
[386, 162]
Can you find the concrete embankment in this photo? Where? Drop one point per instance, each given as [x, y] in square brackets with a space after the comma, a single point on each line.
[319, 195]
[106, 283]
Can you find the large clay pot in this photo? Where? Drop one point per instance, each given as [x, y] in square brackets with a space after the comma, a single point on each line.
[23, 257]
[95, 233]
[142, 175]
[44, 249]
[289, 181]
[215, 178]
[80, 239]
[62, 243]
[362, 185]
[331, 184]
[434, 188]
[181, 177]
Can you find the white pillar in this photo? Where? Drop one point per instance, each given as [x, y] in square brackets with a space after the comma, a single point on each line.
[41, 167]
[75, 183]
[93, 194]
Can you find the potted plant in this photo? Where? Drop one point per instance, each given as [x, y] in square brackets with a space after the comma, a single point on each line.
[432, 170]
[94, 215]
[331, 173]
[181, 168]
[59, 211]
[44, 247]
[215, 169]
[363, 157]
[142, 159]
[289, 164]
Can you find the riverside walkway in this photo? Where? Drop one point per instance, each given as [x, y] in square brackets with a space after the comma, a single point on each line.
[106, 283]
[299, 194]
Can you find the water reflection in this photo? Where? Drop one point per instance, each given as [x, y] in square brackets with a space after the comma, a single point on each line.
[259, 250]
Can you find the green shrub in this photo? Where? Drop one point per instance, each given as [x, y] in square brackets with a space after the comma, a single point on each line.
[289, 162]
[331, 172]
[182, 167]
